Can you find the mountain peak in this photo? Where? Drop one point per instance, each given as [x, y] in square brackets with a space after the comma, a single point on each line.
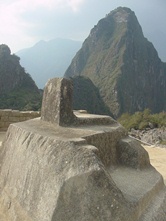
[121, 14]
[4, 50]
[48, 59]
[122, 64]
[17, 88]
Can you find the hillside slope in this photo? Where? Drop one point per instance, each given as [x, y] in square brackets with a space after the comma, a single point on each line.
[89, 97]
[122, 64]
[17, 88]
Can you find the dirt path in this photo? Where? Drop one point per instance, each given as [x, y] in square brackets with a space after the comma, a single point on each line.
[158, 159]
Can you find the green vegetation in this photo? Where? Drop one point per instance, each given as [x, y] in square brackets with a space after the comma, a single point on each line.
[163, 142]
[21, 99]
[17, 88]
[142, 120]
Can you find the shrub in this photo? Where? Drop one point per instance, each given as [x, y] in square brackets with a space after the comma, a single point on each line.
[142, 120]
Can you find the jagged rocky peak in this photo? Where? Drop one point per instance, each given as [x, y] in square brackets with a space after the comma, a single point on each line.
[122, 15]
[17, 88]
[11, 72]
[4, 50]
[122, 64]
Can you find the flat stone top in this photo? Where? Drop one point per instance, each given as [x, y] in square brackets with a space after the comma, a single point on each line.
[80, 114]
[57, 106]
[123, 175]
[65, 133]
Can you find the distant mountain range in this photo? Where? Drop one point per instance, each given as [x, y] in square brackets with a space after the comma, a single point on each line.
[48, 59]
[122, 64]
[116, 70]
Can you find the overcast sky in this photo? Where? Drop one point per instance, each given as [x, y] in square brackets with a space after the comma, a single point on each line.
[25, 22]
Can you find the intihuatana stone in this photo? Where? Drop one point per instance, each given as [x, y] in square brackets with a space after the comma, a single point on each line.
[57, 102]
[89, 170]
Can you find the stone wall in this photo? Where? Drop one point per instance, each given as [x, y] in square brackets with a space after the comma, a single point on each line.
[8, 116]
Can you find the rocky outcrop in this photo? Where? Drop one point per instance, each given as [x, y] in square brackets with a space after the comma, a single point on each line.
[122, 64]
[86, 96]
[17, 88]
[88, 170]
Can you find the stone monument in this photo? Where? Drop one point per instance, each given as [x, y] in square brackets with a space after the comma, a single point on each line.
[57, 102]
[73, 166]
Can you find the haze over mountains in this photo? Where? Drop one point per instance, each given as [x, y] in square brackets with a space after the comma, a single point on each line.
[48, 59]
[117, 69]
[122, 64]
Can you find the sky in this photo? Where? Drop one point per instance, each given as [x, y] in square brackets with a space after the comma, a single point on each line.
[25, 22]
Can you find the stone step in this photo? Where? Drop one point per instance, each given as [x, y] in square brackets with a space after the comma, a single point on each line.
[155, 210]
[145, 188]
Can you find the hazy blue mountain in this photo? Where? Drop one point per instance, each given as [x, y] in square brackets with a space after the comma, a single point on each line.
[48, 59]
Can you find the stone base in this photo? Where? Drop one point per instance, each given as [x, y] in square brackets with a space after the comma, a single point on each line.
[84, 172]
